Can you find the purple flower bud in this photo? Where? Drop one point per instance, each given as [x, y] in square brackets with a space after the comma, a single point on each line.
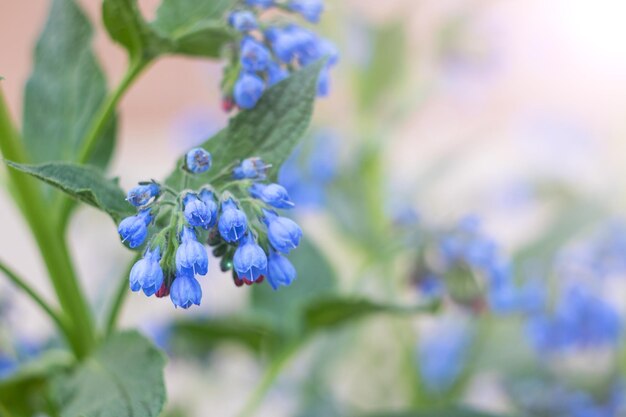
[272, 194]
[198, 160]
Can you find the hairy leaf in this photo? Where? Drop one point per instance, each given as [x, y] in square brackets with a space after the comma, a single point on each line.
[270, 130]
[123, 378]
[83, 183]
[65, 90]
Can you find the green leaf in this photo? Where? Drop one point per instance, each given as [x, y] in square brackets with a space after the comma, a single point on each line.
[83, 183]
[65, 91]
[195, 27]
[337, 311]
[270, 130]
[23, 393]
[123, 378]
[201, 336]
[285, 307]
[126, 25]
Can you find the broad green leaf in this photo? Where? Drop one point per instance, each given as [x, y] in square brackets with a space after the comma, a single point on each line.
[83, 183]
[195, 27]
[286, 306]
[270, 130]
[123, 378]
[201, 336]
[333, 312]
[23, 393]
[126, 25]
[65, 91]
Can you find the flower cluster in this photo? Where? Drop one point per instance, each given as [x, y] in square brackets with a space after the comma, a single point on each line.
[239, 221]
[267, 52]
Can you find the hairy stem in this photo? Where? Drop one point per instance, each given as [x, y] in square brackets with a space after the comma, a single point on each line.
[21, 283]
[52, 246]
[100, 122]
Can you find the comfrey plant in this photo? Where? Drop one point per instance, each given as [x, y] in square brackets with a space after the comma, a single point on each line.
[222, 194]
[268, 51]
[233, 220]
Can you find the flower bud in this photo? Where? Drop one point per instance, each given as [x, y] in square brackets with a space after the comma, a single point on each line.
[197, 161]
[272, 194]
[191, 256]
[251, 168]
[208, 198]
[254, 55]
[142, 194]
[248, 90]
[134, 229]
[233, 222]
[147, 274]
[242, 20]
[309, 9]
[283, 233]
[196, 212]
[279, 270]
[185, 291]
[250, 261]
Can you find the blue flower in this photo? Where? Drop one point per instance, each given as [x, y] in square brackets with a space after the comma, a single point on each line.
[208, 198]
[251, 168]
[275, 73]
[198, 160]
[191, 256]
[283, 42]
[272, 194]
[323, 82]
[264, 4]
[254, 55]
[142, 194]
[442, 356]
[134, 229]
[185, 291]
[196, 212]
[309, 9]
[147, 274]
[279, 270]
[283, 233]
[248, 90]
[233, 223]
[242, 20]
[249, 261]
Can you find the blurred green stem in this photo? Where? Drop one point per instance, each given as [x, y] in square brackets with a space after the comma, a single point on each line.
[100, 122]
[119, 296]
[21, 283]
[271, 373]
[52, 246]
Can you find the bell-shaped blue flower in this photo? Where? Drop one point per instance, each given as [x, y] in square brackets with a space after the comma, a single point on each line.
[309, 9]
[279, 270]
[142, 194]
[147, 274]
[251, 168]
[264, 4]
[191, 256]
[185, 291]
[254, 55]
[196, 212]
[283, 233]
[233, 222]
[242, 20]
[208, 198]
[134, 229]
[248, 90]
[198, 160]
[249, 261]
[272, 194]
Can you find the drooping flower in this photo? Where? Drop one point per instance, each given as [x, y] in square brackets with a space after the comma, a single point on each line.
[196, 212]
[272, 194]
[143, 194]
[283, 233]
[147, 274]
[249, 261]
[280, 271]
[309, 9]
[134, 229]
[233, 222]
[254, 55]
[251, 168]
[198, 161]
[264, 4]
[242, 20]
[185, 291]
[248, 90]
[191, 256]
[208, 198]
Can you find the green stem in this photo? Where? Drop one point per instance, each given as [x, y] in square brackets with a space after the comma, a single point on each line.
[119, 296]
[271, 373]
[100, 122]
[52, 246]
[21, 283]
